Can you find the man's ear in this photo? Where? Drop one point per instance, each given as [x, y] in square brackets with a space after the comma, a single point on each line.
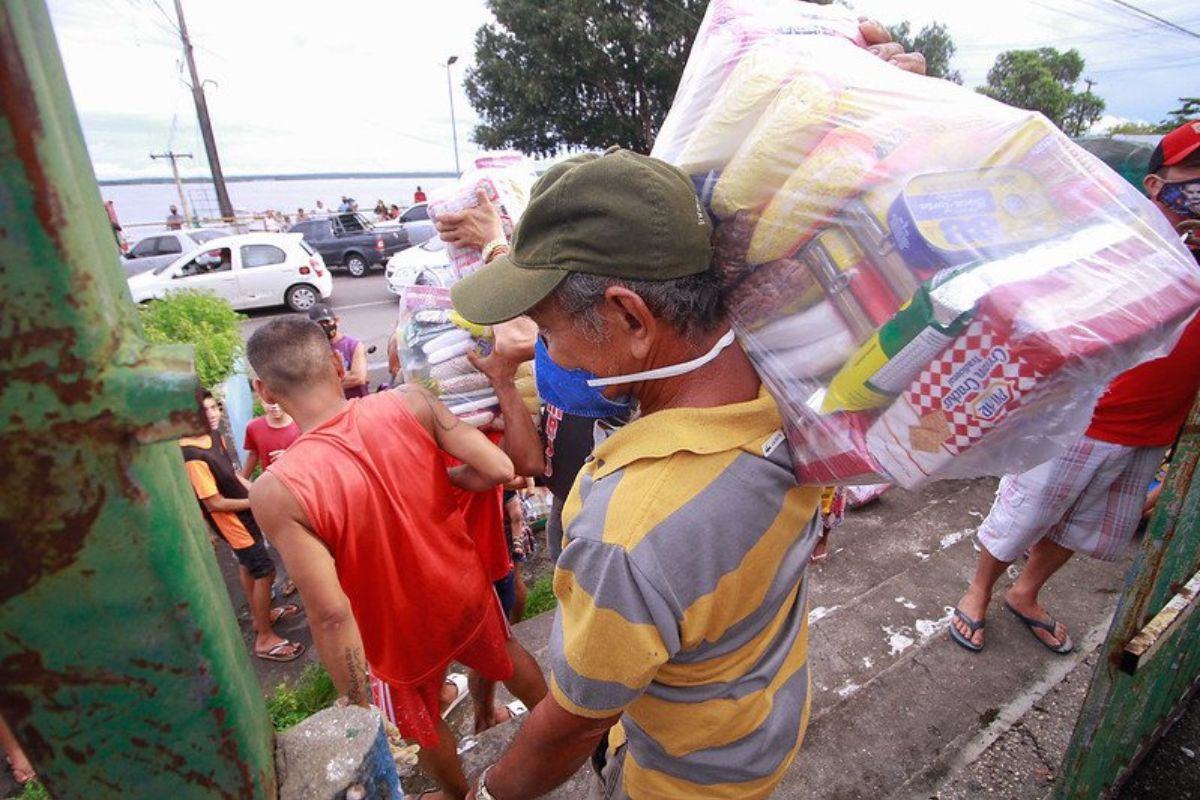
[264, 394]
[628, 312]
[1153, 185]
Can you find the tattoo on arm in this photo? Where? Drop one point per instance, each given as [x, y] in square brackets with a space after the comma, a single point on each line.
[360, 690]
[428, 398]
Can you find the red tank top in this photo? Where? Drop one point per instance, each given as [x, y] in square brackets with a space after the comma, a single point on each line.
[373, 483]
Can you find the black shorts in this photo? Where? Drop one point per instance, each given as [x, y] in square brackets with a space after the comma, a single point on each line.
[506, 590]
[256, 559]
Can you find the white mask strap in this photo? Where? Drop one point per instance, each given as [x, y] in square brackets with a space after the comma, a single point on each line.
[667, 372]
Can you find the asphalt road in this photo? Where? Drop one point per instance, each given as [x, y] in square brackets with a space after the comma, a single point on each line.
[366, 311]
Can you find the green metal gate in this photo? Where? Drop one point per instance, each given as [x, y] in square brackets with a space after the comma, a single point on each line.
[1149, 663]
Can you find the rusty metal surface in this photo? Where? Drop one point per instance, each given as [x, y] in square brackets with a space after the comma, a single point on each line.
[1123, 714]
[1162, 627]
[121, 667]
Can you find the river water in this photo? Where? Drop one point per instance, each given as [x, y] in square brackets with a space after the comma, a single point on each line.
[143, 207]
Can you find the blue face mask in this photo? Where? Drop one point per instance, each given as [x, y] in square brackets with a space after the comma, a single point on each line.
[1183, 198]
[568, 389]
[578, 392]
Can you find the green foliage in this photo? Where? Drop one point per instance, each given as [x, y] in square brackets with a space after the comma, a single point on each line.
[203, 320]
[33, 791]
[1140, 127]
[1189, 109]
[1044, 80]
[935, 43]
[579, 73]
[540, 597]
[312, 692]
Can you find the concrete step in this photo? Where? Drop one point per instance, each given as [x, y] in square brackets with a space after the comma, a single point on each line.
[898, 709]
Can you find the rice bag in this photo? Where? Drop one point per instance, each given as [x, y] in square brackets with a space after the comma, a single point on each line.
[930, 283]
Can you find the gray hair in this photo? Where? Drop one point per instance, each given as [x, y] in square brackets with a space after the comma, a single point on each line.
[691, 304]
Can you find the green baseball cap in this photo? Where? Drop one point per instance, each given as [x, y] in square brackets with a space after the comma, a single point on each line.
[620, 215]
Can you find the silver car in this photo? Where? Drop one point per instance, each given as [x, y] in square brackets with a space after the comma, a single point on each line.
[161, 249]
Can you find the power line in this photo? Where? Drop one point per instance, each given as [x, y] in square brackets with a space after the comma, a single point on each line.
[1165, 22]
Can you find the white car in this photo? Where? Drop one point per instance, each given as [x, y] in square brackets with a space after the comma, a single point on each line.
[417, 226]
[249, 270]
[162, 248]
[427, 264]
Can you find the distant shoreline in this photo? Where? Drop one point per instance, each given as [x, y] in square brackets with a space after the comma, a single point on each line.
[304, 176]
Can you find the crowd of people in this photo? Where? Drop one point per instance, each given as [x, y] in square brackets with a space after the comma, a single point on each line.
[678, 663]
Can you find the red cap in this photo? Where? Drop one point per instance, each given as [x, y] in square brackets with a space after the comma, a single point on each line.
[1176, 146]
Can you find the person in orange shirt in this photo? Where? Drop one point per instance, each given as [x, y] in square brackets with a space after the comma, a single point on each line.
[224, 497]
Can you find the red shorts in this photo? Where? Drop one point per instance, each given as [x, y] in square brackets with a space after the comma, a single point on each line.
[416, 708]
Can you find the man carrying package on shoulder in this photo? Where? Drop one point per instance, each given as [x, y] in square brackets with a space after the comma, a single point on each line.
[1089, 499]
[682, 583]
[362, 510]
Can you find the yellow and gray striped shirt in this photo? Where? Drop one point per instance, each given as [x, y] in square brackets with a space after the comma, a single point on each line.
[682, 600]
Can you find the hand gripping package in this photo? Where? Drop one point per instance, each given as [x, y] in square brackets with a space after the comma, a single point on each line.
[931, 284]
[505, 179]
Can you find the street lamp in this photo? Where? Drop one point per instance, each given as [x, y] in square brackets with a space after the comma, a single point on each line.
[453, 125]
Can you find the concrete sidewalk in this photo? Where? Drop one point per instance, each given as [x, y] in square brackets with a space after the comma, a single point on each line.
[899, 710]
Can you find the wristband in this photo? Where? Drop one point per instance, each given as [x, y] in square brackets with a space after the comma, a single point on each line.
[489, 249]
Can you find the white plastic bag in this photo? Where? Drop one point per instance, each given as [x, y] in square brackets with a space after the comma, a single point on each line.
[931, 284]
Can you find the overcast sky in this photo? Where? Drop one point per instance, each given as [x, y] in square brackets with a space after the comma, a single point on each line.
[320, 86]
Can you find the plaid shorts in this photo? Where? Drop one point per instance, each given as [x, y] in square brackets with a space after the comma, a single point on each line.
[1089, 499]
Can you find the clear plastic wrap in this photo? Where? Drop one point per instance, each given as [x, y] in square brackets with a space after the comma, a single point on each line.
[507, 181]
[931, 284]
[433, 343]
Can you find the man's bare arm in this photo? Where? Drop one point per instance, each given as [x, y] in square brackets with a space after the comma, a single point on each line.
[219, 502]
[484, 464]
[357, 374]
[250, 463]
[311, 567]
[551, 745]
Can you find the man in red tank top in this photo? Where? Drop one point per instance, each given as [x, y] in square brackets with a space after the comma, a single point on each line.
[1089, 499]
[361, 508]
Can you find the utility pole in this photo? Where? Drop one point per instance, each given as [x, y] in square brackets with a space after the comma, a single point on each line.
[183, 203]
[453, 127]
[210, 143]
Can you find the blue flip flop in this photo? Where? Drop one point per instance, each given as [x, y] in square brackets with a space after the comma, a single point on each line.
[1049, 626]
[975, 627]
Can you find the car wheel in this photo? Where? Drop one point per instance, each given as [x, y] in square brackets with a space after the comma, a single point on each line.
[356, 265]
[301, 297]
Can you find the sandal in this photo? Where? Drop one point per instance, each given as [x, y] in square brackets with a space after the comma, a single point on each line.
[974, 626]
[459, 682]
[284, 612]
[277, 653]
[1050, 626]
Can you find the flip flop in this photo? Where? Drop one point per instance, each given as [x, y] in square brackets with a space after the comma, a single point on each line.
[459, 682]
[284, 612]
[276, 654]
[975, 627]
[1049, 626]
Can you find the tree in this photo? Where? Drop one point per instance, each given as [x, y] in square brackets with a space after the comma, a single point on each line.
[203, 320]
[579, 73]
[1044, 80]
[1189, 109]
[935, 43]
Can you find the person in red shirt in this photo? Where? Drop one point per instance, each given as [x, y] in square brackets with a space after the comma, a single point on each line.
[362, 509]
[419, 196]
[267, 437]
[1090, 498]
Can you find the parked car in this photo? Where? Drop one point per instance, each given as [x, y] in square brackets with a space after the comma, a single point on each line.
[416, 224]
[351, 241]
[161, 249]
[249, 270]
[427, 264]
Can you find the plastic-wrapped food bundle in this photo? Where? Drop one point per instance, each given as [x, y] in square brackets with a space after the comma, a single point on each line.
[932, 284]
[433, 343]
[506, 179]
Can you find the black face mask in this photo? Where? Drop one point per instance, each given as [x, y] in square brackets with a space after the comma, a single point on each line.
[330, 330]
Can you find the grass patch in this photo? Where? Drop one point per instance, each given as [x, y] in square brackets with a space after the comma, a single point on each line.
[540, 597]
[312, 692]
[33, 791]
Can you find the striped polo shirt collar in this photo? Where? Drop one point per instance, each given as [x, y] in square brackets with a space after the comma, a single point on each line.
[703, 431]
